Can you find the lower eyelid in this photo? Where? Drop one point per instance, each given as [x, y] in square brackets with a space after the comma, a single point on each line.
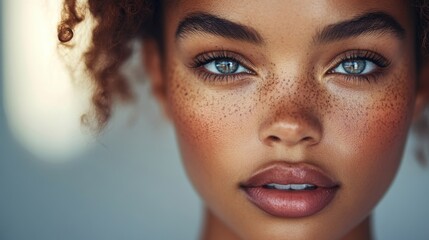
[360, 78]
[221, 78]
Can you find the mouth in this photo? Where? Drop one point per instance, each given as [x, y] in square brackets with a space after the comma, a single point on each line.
[290, 191]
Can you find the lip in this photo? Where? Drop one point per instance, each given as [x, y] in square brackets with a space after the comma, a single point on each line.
[290, 203]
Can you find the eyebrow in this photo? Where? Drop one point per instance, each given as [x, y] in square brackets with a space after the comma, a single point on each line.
[369, 23]
[207, 23]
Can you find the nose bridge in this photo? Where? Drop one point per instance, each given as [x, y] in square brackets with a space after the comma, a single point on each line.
[292, 82]
[297, 87]
[292, 91]
[292, 116]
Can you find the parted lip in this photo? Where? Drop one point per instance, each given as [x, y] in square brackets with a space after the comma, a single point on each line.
[290, 201]
[285, 173]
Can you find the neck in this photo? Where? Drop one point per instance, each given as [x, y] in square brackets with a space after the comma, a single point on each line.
[214, 228]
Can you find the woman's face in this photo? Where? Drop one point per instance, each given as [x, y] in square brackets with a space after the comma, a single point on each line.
[269, 97]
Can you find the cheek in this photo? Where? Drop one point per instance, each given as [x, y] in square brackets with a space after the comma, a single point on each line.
[369, 136]
[209, 125]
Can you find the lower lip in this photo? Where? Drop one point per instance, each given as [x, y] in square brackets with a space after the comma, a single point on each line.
[290, 204]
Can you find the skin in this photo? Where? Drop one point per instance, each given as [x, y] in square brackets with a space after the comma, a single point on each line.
[354, 130]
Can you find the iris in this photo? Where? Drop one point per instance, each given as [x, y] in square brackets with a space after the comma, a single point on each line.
[354, 66]
[226, 66]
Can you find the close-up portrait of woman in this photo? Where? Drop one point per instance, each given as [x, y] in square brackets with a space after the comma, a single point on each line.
[282, 119]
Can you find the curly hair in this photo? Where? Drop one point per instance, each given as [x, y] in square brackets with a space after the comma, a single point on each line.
[121, 21]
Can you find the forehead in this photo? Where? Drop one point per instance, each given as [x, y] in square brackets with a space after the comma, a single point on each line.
[279, 18]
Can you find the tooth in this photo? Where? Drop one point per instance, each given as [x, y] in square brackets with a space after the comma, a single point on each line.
[301, 186]
[278, 186]
[290, 186]
[298, 186]
[283, 187]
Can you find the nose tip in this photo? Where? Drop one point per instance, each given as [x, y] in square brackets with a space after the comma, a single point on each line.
[290, 132]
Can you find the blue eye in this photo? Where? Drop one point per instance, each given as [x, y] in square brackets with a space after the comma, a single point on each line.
[355, 67]
[225, 66]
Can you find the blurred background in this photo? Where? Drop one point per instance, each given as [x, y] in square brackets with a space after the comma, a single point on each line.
[59, 182]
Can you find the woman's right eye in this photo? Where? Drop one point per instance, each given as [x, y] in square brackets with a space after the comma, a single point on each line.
[225, 66]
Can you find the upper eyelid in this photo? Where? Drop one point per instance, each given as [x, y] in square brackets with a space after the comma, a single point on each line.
[378, 59]
[363, 54]
[219, 54]
[223, 55]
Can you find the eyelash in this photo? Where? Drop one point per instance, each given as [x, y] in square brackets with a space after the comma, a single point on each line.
[201, 60]
[366, 55]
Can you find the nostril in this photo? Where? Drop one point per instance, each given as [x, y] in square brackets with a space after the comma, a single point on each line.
[274, 138]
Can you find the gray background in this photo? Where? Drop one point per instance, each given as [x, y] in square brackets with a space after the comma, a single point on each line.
[130, 185]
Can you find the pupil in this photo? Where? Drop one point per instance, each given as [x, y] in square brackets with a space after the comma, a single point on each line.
[354, 66]
[226, 66]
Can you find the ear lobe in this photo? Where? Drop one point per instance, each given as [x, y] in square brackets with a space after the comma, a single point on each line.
[422, 98]
[153, 66]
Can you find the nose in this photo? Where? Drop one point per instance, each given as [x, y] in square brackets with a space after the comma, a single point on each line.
[291, 129]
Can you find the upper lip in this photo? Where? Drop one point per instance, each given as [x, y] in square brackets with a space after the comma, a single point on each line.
[285, 173]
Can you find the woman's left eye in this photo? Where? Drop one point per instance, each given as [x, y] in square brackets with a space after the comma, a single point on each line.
[355, 67]
[225, 66]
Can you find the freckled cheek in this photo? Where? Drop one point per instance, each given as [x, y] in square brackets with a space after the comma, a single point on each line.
[373, 140]
[381, 129]
[210, 130]
[380, 141]
[205, 124]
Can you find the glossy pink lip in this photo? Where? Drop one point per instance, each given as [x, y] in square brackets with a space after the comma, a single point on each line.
[290, 203]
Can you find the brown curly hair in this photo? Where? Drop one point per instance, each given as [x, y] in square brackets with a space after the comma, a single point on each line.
[121, 21]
